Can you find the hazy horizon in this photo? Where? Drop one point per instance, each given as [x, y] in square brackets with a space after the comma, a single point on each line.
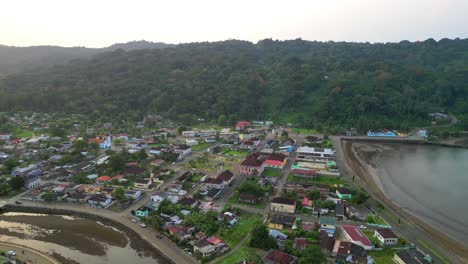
[100, 24]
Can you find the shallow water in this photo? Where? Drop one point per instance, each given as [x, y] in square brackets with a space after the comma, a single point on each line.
[430, 182]
[76, 239]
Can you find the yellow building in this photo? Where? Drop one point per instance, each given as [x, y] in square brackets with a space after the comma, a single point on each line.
[144, 184]
[280, 204]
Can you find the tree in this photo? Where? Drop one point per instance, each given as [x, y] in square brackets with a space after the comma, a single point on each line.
[313, 195]
[284, 134]
[312, 254]
[222, 120]
[141, 155]
[48, 197]
[17, 183]
[4, 188]
[118, 194]
[10, 164]
[117, 163]
[261, 239]
[359, 198]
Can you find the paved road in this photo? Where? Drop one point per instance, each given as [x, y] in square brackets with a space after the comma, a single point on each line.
[287, 166]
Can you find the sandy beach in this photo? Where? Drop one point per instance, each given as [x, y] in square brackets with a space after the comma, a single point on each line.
[360, 159]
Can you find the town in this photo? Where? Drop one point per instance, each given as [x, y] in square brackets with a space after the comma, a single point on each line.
[254, 192]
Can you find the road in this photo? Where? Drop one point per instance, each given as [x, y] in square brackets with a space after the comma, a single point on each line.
[287, 166]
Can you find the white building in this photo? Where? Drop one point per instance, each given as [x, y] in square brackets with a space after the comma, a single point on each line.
[189, 133]
[191, 142]
[386, 237]
[4, 136]
[133, 194]
[310, 153]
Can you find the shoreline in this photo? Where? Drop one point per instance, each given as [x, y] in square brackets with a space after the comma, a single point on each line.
[365, 172]
[112, 222]
[28, 254]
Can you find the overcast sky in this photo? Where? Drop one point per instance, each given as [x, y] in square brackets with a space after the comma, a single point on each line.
[99, 23]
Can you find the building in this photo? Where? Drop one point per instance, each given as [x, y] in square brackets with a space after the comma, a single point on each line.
[104, 143]
[189, 134]
[191, 142]
[287, 145]
[102, 179]
[343, 193]
[355, 236]
[306, 152]
[5, 136]
[384, 133]
[411, 256]
[278, 257]
[302, 189]
[327, 224]
[182, 149]
[252, 164]
[347, 252]
[241, 125]
[340, 211]
[143, 183]
[133, 194]
[99, 200]
[310, 174]
[204, 248]
[386, 237]
[300, 243]
[281, 204]
[280, 222]
[359, 212]
[248, 198]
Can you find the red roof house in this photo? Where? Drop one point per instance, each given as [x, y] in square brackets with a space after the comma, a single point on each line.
[103, 179]
[355, 236]
[278, 257]
[306, 203]
[242, 124]
[214, 240]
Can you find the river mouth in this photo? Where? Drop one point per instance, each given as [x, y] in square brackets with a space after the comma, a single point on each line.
[74, 239]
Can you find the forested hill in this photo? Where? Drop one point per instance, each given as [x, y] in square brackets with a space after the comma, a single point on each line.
[311, 84]
[19, 59]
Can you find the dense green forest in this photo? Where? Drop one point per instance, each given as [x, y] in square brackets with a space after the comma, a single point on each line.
[310, 84]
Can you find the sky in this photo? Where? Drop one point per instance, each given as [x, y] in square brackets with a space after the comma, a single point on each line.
[100, 23]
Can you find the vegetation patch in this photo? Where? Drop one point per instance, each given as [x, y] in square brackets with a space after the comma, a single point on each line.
[200, 146]
[384, 256]
[271, 172]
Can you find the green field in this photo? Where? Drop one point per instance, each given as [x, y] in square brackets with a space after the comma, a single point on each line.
[201, 146]
[239, 233]
[383, 256]
[378, 220]
[236, 153]
[22, 134]
[270, 172]
[370, 235]
[304, 131]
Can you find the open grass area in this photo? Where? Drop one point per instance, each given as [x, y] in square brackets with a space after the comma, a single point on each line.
[115, 207]
[270, 172]
[370, 235]
[22, 134]
[434, 252]
[237, 153]
[327, 180]
[304, 131]
[378, 220]
[201, 146]
[239, 233]
[234, 199]
[383, 256]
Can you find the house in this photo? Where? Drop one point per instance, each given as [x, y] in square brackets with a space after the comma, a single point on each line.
[156, 150]
[99, 200]
[302, 189]
[32, 181]
[343, 193]
[279, 221]
[191, 142]
[182, 149]
[306, 152]
[248, 198]
[248, 145]
[136, 145]
[157, 162]
[355, 236]
[411, 256]
[326, 243]
[187, 201]
[215, 183]
[348, 252]
[310, 174]
[327, 224]
[143, 183]
[300, 243]
[104, 143]
[102, 180]
[189, 134]
[241, 125]
[158, 197]
[133, 194]
[287, 145]
[280, 204]
[230, 217]
[386, 237]
[214, 240]
[134, 171]
[384, 133]
[226, 177]
[253, 164]
[278, 257]
[340, 211]
[359, 212]
[306, 203]
[277, 235]
[5, 136]
[204, 248]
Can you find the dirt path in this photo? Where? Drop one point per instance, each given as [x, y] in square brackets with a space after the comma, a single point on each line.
[28, 254]
[410, 227]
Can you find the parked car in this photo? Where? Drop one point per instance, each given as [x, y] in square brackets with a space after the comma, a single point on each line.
[159, 236]
[11, 253]
[142, 225]
[18, 202]
[362, 227]
[134, 220]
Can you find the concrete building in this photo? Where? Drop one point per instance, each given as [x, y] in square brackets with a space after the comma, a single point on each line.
[305, 152]
[280, 204]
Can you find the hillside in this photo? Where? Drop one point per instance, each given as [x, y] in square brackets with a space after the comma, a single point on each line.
[19, 59]
[311, 84]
